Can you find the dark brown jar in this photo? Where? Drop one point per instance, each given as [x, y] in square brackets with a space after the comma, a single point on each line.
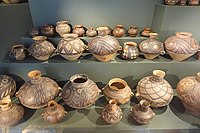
[91, 32]
[33, 31]
[54, 113]
[119, 31]
[18, 52]
[47, 30]
[132, 31]
[79, 29]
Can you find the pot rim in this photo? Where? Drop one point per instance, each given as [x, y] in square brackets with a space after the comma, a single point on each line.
[184, 34]
[158, 74]
[17, 46]
[79, 76]
[39, 38]
[34, 73]
[62, 22]
[117, 80]
[130, 44]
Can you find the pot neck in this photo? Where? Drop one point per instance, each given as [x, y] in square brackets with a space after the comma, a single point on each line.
[144, 105]
[39, 39]
[117, 84]
[70, 37]
[184, 34]
[103, 31]
[158, 76]
[153, 35]
[79, 79]
[35, 74]
[52, 107]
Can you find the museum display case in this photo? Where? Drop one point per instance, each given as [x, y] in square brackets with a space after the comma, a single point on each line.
[16, 20]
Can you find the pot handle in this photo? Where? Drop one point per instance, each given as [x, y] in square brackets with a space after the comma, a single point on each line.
[66, 113]
[52, 102]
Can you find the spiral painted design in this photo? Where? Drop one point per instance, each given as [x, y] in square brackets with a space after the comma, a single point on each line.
[41, 49]
[73, 47]
[181, 45]
[34, 96]
[81, 95]
[103, 45]
[158, 94]
[151, 46]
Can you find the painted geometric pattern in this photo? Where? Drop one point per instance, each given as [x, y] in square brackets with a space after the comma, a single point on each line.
[155, 92]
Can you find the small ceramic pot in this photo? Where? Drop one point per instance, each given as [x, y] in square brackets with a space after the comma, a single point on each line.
[118, 31]
[182, 2]
[71, 47]
[18, 52]
[38, 91]
[91, 32]
[33, 31]
[142, 113]
[80, 92]
[41, 49]
[130, 51]
[104, 47]
[155, 89]
[118, 90]
[132, 31]
[171, 2]
[193, 2]
[10, 113]
[188, 90]
[151, 47]
[7, 86]
[54, 113]
[112, 113]
[79, 29]
[63, 27]
[146, 32]
[109, 30]
[47, 30]
[181, 46]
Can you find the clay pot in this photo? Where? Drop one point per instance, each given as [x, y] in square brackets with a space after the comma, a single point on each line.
[38, 91]
[41, 49]
[104, 47]
[155, 89]
[119, 31]
[182, 2]
[63, 28]
[146, 32]
[109, 30]
[188, 90]
[130, 51]
[18, 52]
[142, 113]
[198, 55]
[33, 31]
[171, 2]
[152, 47]
[10, 113]
[71, 47]
[193, 2]
[91, 32]
[47, 30]
[54, 113]
[132, 31]
[79, 29]
[80, 92]
[181, 46]
[118, 90]
[112, 113]
[7, 86]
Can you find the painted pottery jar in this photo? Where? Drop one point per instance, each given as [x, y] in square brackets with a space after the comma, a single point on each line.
[47, 30]
[155, 89]
[132, 31]
[18, 52]
[71, 47]
[181, 46]
[130, 51]
[10, 113]
[152, 48]
[63, 28]
[112, 113]
[7, 86]
[54, 113]
[41, 49]
[146, 32]
[38, 91]
[33, 31]
[142, 113]
[118, 90]
[119, 31]
[171, 2]
[193, 2]
[182, 2]
[80, 92]
[188, 90]
[104, 47]
[79, 29]
[91, 32]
